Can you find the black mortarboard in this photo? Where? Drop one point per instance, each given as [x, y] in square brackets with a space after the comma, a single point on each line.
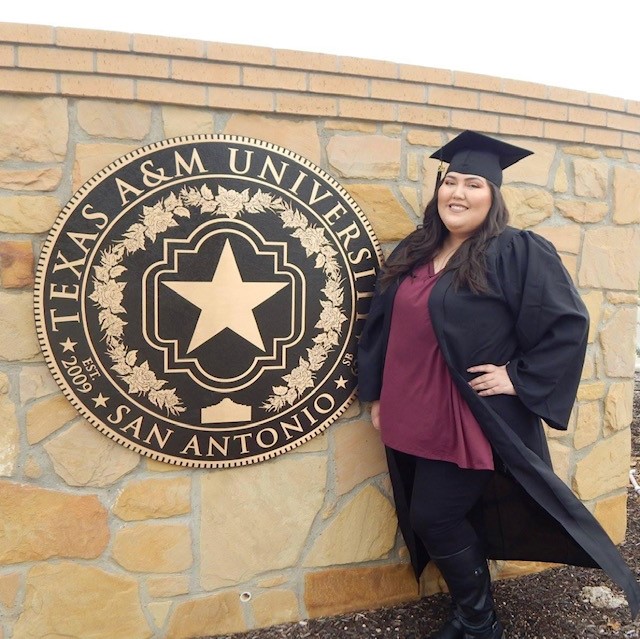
[478, 154]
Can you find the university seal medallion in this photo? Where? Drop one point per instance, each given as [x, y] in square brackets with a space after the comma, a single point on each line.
[200, 299]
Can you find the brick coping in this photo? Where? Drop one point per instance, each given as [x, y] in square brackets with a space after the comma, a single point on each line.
[86, 63]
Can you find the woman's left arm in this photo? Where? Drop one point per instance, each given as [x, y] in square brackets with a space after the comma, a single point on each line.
[551, 325]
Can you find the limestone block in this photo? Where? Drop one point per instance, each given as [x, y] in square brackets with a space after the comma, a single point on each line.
[42, 179]
[159, 612]
[124, 120]
[167, 585]
[591, 178]
[353, 411]
[589, 367]
[591, 391]
[43, 125]
[163, 467]
[38, 524]
[153, 547]
[257, 519]
[368, 156]
[616, 297]
[413, 167]
[185, 121]
[605, 468]
[612, 515]
[534, 169]
[527, 206]
[214, 615]
[275, 607]
[389, 219]
[593, 301]
[300, 136]
[429, 178]
[28, 213]
[35, 382]
[369, 513]
[272, 582]
[617, 339]
[431, 579]
[47, 416]
[154, 498]
[331, 592]
[315, 444]
[618, 406]
[84, 457]
[565, 238]
[588, 427]
[350, 125]
[425, 138]
[582, 151]
[561, 182]
[626, 195]
[9, 585]
[610, 258]
[32, 468]
[570, 262]
[74, 601]
[18, 339]
[411, 197]
[16, 264]
[358, 455]
[583, 212]
[561, 460]
[92, 157]
[9, 430]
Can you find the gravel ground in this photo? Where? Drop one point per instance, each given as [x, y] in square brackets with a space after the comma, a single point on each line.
[547, 605]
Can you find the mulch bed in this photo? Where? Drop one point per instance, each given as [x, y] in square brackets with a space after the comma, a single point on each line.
[547, 605]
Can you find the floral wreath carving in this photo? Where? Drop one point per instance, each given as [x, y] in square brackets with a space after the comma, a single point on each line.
[155, 220]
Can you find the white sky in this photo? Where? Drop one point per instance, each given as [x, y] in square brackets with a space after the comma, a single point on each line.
[578, 44]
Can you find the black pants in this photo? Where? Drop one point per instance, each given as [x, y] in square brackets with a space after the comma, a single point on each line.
[442, 497]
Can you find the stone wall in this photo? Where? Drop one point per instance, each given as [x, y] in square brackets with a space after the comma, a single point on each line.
[97, 541]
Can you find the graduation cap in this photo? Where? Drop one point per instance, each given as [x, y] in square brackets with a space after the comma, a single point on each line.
[477, 154]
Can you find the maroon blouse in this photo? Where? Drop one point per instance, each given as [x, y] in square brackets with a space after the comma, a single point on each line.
[421, 410]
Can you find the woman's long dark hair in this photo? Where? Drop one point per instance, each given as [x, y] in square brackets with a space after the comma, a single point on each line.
[468, 261]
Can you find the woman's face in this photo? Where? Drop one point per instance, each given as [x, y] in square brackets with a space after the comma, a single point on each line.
[463, 203]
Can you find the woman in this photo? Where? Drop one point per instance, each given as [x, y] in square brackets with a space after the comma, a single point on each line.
[475, 334]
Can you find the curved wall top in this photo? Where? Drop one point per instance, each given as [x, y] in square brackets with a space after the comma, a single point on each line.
[99, 64]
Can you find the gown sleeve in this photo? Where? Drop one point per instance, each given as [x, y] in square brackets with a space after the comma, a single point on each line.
[371, 351]
[551, 324]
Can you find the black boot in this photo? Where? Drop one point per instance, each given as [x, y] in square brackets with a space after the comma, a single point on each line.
[452, 629]
[469, 582]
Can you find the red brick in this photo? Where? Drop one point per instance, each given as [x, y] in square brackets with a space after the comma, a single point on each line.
[426, 115]
[243, 99]
[95, 86]
[55, 58]
[171, 92]
[485, 122]
[31, 33]
[560, 131]
[22, 81]
[240, 53]
[367, 110]
[132, 64]
[274, 78]
[306, 104]
[338, 84]
[92, 39]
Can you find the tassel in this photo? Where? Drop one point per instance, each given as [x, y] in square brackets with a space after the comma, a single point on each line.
[439, 177]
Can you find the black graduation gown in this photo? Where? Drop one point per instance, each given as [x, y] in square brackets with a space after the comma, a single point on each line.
[534, 319]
